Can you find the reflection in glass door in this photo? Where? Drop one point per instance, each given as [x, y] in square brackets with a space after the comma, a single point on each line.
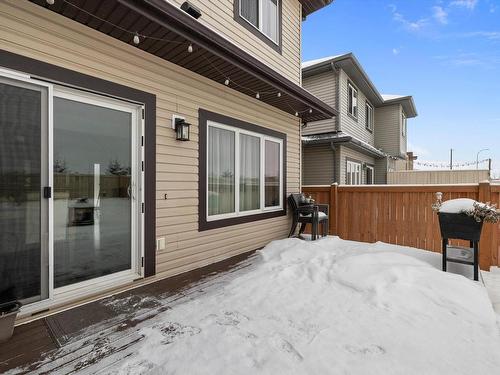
[23, 211]
[94, 187]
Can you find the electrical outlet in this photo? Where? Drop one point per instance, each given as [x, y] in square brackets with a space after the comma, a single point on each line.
[160, 243]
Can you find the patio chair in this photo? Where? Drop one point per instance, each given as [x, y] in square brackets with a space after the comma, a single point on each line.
[305, 213]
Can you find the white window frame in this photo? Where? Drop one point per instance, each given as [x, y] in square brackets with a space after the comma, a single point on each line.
[353, 98]
[261, 17]
[72, 292]
[403, 124]
[369, 116]
[372, 169]
[263, 138]
[353, 167]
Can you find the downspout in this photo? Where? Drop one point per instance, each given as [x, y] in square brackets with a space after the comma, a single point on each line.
[335, 169]
[336, 163]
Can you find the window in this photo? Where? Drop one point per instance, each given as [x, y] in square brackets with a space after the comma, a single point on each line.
[369, 175]
[244, 172]
[369, 116]
[353, 173]
[403, 125]
[352, 100]
[263, 15]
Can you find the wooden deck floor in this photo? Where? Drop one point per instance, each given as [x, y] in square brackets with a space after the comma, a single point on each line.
[58, 344]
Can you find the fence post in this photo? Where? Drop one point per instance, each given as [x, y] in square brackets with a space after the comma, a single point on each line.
[486, 243]
[334, 204]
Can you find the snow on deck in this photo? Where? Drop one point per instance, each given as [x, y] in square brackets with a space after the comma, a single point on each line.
[324, 307]
[492, 283]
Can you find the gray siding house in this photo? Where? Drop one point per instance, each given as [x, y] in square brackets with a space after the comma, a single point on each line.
[367, 138]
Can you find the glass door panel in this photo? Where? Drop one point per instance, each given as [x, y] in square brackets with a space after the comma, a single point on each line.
[93, 190]
[23, 221]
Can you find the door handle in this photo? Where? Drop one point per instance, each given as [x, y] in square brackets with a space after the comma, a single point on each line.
[47, 192]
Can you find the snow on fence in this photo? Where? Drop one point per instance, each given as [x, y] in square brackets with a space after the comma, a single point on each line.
[402, 214]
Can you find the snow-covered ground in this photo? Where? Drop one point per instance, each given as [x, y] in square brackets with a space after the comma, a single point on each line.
[323, 307]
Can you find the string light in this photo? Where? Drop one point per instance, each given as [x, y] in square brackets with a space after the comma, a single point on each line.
[445, 165]
[310, 110]
[138, 37]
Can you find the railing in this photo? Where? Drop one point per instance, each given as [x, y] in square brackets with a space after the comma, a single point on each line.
[402, 214]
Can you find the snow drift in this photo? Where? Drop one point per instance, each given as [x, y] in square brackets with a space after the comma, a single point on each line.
[327, 307]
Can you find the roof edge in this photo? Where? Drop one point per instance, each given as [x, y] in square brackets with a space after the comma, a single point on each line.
[329, 64]
[220, 46]
[408, 105]
[311, 6]
[343, 138]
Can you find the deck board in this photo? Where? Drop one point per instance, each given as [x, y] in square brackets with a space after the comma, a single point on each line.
[61, 343]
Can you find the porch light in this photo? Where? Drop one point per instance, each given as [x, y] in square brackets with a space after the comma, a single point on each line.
[136, 39]
[181, 130]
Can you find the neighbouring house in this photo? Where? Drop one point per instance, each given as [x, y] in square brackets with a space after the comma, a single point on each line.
[369, 136]
[139, 140]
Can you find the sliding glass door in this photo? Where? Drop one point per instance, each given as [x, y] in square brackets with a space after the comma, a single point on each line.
[70, 192]
[93, 188]
[23, 173]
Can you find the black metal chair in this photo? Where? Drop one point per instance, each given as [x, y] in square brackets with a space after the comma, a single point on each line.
[305, 213]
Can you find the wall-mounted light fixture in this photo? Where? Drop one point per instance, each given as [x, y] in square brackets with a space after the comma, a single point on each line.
[181, 128]
[191, 9]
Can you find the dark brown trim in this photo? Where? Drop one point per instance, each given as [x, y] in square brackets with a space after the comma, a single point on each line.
[243, 22]
[48, 72]
[203, 117]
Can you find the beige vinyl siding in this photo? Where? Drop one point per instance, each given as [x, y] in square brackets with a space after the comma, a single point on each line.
[344, 153]
[219, 16]
[318, 165]
[348, 124]
[437, 177]
[381, 171]
[388, 129]
[400, 165]
[324, 86]
[33, 31]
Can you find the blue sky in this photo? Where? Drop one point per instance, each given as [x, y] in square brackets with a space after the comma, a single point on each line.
[445, 53]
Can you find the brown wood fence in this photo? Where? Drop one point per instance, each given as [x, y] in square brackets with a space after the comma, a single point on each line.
[402, 214]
